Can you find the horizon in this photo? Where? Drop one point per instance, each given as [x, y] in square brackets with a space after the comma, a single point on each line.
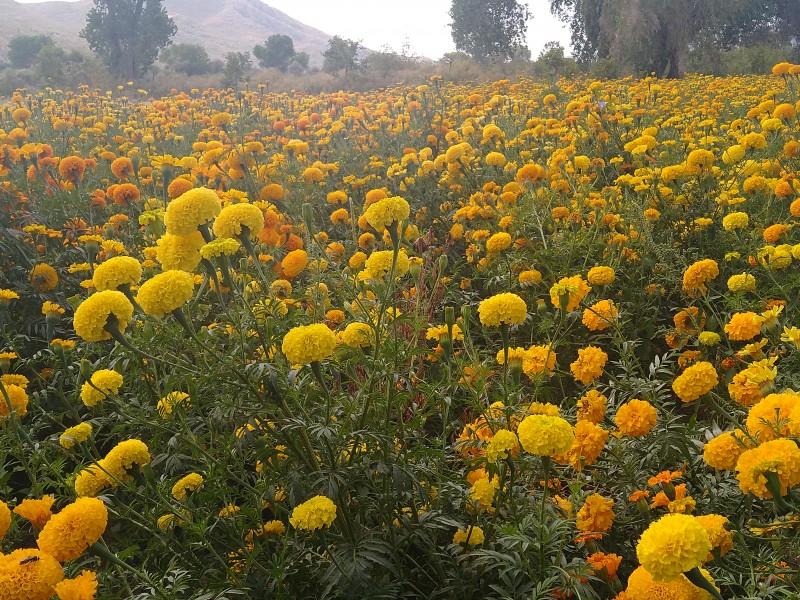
[429, 38]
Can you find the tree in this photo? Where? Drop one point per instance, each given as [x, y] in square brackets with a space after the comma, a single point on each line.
[488, 29]
[276, 53]
[128, 34]
[341, 55]
[190, 59]
[23, 50]
[237, 65]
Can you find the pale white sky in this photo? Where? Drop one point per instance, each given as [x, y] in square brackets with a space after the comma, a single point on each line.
[424, 23]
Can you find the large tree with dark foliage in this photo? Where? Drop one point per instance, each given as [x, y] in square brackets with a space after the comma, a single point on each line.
[277, 53]
[128, 34]
[488, 30]
[655, 36]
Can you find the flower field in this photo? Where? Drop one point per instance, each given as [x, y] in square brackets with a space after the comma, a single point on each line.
[492, 341]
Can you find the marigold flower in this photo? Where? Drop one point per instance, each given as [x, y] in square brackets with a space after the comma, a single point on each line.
[190, 210]
[103, 383]
[179, 252]
[117, 271]
[587, 446]
[472, 535]
[308, 343]
[384, 212]
[28, 573]
[502, 444]
[5, 519]
[781, 456]
[724, 451]
[69, 532]
[167, 404]
[610, 562]
[188, 483]
[43, 277]
[592, 407]
[770, 418]
[698, 275]
[642, 586]
[596, 515]
[235, 217]
[498, 242]
[502, 309]
[313, 514]
[574, 289]
[673, 545]
[599, 315]
[18, 398]
[635, 418]
[696, 381]
[720, 538]
[294, 263]
[483, 491]
[743, 326]
[601, 275]
[589, 364]
[37, 511]
[545, 435]
[77, 433]
[92, 315]
[165, 292]
[379, 264]
[123, 457]
[82, 587]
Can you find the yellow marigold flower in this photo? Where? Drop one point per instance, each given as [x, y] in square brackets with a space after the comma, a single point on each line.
[724, 451]
[82, 587]
[77, 433]
[18, 398]
[165, 292]
[71, 531]
[498, 242]
[167, 403]
[539, 359]
[592, 407]
[357, 335]
[720, 538]
[37, 511]
[92, 480]
[641, 586]
[743, 326]
[379, 264]
[502, 444]
[52, 309]
[502, 309]
[384, 212]
[7, 296]
[587, 446]
[781, 456]
[180, 252]
[483, 491]
[708, 338]
[28, 573]
[529, 277]
[123, 457]
[696, 381]
[294, 263]
[698, 275]
[188, 483]
[573, 289]
[736, 221]
[5, 519]
[235, 218]
[601, 275]
[103, 383]
[673, 545]
[635, 418]
[516, 356]
[589, 364]
[545, 435]
[220, 247]
[43, 278]
[472, 535]
[313, 514]
[308, 343]
[92, 315]
[769, 419]
[599, 315]
[116, 272]
[190, 210]
[596, 515]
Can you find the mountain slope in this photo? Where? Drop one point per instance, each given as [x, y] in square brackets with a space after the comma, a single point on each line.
[219, 26]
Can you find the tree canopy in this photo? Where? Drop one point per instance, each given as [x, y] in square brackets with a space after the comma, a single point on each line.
[489, 29]
[23, 50]
[128, 34]
[341, 55]
[277, 53]
[189, 59]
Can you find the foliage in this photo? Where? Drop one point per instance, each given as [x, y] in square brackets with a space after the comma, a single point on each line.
[190, 59]
[342, 55]
[23, 50]
[237, 66]
[128, 34]
[277, 53]
[490, 30]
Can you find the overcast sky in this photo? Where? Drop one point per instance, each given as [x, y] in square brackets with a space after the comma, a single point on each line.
[423, 23]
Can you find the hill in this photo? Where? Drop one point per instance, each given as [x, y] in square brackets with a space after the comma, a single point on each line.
[219, 26]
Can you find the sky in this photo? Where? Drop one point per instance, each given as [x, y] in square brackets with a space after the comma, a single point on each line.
[424, 24]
